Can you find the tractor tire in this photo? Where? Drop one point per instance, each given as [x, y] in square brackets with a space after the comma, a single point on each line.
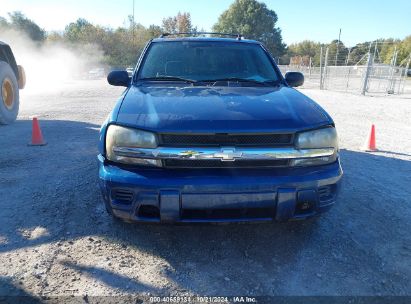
[9, 94]
[22, 77]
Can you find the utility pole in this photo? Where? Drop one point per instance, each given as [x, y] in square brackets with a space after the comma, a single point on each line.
[338, 44]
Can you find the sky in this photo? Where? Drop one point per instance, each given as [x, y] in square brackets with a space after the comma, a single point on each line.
[318, 20]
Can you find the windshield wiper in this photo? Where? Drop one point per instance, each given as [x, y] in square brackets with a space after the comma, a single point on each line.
[166, 78]
[235, 79]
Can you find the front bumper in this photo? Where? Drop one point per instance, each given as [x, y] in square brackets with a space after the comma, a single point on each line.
[218, 195]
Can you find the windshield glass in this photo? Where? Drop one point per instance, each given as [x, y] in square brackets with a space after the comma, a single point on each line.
[207, 60]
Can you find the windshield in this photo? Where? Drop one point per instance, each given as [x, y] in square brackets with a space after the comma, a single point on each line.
[205, 60]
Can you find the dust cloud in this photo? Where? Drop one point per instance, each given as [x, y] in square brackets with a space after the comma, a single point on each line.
[50, 65]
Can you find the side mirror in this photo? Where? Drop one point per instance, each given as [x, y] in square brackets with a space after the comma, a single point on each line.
[119, 78]
[294, 79]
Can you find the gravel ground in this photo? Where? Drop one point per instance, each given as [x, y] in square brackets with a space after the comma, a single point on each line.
[56, 239]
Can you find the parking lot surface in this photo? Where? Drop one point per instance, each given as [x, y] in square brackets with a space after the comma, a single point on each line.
[56, 238]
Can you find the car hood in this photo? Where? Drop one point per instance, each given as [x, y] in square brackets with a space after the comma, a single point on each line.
[219, 109]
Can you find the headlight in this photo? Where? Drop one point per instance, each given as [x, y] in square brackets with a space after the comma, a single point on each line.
[321, 138]
[118, 136]
[317, 139]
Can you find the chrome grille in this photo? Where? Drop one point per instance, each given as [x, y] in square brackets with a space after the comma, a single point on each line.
[220, 139]
[191, 163]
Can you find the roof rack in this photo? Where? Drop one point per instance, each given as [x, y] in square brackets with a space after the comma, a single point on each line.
[238, 36]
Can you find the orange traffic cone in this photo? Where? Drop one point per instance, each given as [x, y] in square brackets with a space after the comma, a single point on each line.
[36, 136]
[370, 144]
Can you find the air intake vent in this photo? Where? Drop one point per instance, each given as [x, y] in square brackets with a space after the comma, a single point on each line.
[326, 193]
[123, 196]
[221, 214]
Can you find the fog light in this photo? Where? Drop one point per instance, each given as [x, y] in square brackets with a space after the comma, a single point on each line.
[139, 161]
[313, 161]
[304, 207]
[306, 201]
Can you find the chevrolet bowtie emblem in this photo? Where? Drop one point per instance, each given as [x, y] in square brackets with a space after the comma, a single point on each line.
[228, 154]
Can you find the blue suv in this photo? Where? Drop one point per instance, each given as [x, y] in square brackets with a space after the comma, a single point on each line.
[208, 130]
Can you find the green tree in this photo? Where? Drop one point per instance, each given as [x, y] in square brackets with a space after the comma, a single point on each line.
[253, 20]
[358, 53]
[306, 48]
[181, 23]
[389, 46]
[81, 31]
[404, 50]
[3, 23]
[154, 31]
[21, 23]
[337, 53]
[54, 37]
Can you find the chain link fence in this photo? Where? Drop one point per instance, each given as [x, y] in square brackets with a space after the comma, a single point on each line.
[360, 78]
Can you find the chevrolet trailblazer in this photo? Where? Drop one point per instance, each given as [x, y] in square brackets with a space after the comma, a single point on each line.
[208, 130]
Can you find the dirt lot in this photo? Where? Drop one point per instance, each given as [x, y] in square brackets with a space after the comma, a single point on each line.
[56, 239]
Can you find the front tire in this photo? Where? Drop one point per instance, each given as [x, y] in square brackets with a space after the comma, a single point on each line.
[9, 94]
